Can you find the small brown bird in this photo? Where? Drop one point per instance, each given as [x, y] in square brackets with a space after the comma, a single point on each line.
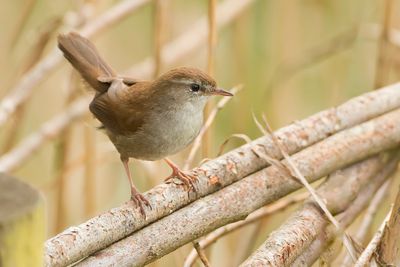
[146, 120]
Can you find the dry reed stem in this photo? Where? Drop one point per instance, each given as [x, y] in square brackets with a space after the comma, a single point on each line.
[34, 54]
[257, 215]
[90, 172]
[205, 140]
[324, 239]
[389, 251]
[49, 130]
[23, 90]
[159, 33]
[243, 137]
[284, 245]
[384, 59]
[366, 255]
[192, 39]
[82, 240]
[212, 44]
[61, 158]
[212, 36]
[368, 218]
[228, 205]
[210, 119]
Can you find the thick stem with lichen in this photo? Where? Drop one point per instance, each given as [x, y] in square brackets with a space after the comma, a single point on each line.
[237, 200]
[99, 232]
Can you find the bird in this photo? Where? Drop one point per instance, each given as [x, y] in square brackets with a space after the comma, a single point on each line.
[144, 119]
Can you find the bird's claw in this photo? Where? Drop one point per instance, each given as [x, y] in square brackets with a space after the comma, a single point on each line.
[139, 200]
[188, 180]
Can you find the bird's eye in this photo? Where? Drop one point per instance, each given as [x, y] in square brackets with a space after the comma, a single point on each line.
[195, 87]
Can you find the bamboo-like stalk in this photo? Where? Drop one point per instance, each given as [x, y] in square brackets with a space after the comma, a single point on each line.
[384, 59]
[212, 43]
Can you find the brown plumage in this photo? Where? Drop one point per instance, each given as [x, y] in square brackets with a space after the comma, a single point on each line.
[146, 120]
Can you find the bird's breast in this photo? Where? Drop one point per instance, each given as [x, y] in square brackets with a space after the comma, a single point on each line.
[164, 133]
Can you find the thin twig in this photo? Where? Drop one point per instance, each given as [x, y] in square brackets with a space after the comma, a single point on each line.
[202, 255]
[368, 252]
[197, 142]
[388, 250]
[369, 217]
[296, 173]
[325, 239]
[303, 226]
[239, 136]
[257, 215]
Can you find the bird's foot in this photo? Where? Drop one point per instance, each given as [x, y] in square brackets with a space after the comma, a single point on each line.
[188, 180]
[139, 201]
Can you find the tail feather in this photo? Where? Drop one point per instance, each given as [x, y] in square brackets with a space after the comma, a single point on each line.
[83, 55]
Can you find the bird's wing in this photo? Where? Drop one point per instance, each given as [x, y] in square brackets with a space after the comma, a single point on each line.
[122, 109]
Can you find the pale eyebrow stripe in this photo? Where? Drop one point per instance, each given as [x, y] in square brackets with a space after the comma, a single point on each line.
[185, 81]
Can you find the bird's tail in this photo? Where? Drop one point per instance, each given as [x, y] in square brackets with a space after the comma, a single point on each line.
[85, 58]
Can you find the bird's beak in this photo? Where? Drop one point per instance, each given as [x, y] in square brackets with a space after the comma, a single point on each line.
[220, 91]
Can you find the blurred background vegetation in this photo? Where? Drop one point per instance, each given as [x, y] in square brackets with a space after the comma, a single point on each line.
[294, 58]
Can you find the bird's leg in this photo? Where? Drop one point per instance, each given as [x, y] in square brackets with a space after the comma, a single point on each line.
[187, 179]
[136, 197]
